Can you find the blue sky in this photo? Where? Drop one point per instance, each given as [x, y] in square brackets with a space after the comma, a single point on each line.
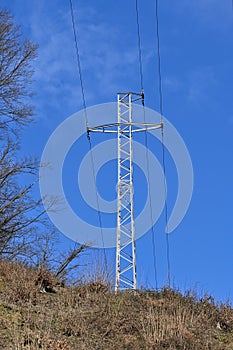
[196, 59]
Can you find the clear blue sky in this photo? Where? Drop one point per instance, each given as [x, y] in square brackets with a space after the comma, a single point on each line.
[196, 59]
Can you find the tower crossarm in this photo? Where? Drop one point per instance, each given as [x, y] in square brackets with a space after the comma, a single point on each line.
[136, 127]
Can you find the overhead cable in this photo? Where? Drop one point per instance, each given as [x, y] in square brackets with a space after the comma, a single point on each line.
[162, 136]
[86, 119]
[147, 149]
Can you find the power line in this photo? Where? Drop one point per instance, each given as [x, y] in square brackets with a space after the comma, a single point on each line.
[159, 62]
[163, 147]
[139, 47]
[86, 119]
[147, 151]
[78, 59]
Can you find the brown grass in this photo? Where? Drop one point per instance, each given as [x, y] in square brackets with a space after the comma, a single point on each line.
[89, 316]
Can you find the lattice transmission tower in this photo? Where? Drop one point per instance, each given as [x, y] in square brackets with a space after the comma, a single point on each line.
[126, 277]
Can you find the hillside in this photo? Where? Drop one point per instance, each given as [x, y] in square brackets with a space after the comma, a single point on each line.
[89, 316]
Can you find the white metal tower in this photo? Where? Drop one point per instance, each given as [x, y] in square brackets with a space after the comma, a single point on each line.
[125, 244]
[126, 277]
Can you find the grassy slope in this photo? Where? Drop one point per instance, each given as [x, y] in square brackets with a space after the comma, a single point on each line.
[90, 317]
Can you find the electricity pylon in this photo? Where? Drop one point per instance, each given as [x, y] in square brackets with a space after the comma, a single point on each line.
[126, 277]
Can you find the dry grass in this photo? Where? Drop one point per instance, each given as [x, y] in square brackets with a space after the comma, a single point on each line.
[89, 316]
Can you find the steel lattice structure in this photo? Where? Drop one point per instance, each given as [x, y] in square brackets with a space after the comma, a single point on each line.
[126, 277]
[125, 243]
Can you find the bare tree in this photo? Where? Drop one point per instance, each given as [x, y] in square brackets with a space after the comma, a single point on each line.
[55, 267]
[19, 211]
[16, 57]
